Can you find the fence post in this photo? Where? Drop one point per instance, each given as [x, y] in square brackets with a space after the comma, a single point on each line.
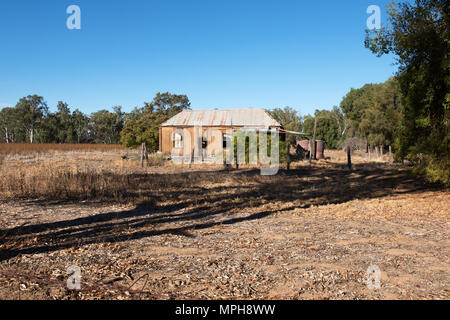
[142, 154]
[192, 158]
[146, 154]
[349, 158]
[236, 159]
[310, 152]
[288, 157]
[313, 150]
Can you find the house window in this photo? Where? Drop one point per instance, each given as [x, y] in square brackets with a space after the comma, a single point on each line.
[227, 137]
[177, 140]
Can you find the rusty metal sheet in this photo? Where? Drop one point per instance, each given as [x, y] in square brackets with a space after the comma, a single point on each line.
[251, 117]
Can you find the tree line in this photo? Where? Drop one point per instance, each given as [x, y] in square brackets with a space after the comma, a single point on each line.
[372, 113]
[418, 34]
[31, 121]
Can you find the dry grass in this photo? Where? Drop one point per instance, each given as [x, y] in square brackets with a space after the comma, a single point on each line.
[118, 177]
[358, 157]
[27, 149]
[96, 175]
[155, 160]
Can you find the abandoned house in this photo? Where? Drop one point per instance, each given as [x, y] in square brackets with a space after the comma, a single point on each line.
[211, 127]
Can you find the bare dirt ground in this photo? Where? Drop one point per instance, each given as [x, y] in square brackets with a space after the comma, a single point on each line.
[307, 233]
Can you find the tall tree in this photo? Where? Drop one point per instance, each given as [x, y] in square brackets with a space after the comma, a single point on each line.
[105, 126]
[289, 119]
[342, 123]
[65, 130]
[9, 126]
[418, 34]
[80, 123]
[353, 105]
[374, 112]
[142, 124]
[330, 126]
[32, 110]
[49, 129]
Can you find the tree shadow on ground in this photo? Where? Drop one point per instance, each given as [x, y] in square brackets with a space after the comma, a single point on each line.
[205, 206]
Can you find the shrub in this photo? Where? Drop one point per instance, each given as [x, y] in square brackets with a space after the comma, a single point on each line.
[156, 159]
[434, 170]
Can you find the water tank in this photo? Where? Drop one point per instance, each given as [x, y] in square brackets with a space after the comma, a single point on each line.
[320, 147]
[304, 144]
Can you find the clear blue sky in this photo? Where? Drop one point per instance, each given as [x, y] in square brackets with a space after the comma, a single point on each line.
[222, 54]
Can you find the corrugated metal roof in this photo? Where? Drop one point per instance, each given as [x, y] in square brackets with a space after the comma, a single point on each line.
[229, 118]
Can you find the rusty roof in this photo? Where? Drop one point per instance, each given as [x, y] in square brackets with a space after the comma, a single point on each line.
[251, 117]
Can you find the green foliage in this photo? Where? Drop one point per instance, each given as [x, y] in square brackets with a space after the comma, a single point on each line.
[64, 124]
[30, 111]
[142, 124]
[283, 151]
[353, 105]
[290, 120]
[436, 170]
[80, 124]
[241, 135]
[48, 130]
[105, 126]
[10, 127]
[30, 121]
[374, 112]
[419, 34]
[331, 126]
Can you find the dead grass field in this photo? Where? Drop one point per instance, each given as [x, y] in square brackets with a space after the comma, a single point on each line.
[46, 148]
[206, 233]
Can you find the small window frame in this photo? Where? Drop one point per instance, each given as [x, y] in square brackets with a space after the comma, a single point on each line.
[177, 140]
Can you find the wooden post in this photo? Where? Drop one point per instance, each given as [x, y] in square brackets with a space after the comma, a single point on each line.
[310, 152]
[192, 159]
[160, 139]
[313, 150]
[370, 155]
[349, 158]
[288, 158]
[146, 154]
[142, 154]
[236, 159]
[390, 151]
